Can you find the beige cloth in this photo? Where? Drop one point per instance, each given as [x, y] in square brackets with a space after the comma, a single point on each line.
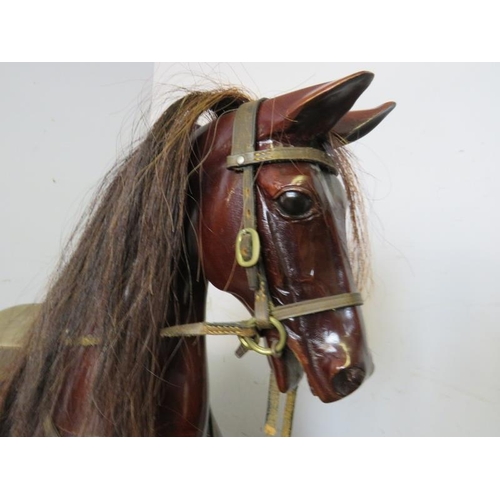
[14, 324]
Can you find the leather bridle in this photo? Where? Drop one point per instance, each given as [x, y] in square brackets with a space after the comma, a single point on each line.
[244, 159]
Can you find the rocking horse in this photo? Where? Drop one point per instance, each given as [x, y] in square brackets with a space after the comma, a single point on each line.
[253, 196]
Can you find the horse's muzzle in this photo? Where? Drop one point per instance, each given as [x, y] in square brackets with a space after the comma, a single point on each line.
[348, 380]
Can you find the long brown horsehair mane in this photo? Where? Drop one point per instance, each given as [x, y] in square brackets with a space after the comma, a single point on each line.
[121, 283]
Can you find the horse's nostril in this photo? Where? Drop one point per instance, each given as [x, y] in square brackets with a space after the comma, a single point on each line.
[348, 380]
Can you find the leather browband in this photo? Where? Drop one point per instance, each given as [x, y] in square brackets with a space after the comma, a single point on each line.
[282, 154]
[243, 153]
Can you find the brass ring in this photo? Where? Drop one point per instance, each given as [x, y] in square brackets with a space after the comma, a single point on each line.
[252, 343]
[255, 247]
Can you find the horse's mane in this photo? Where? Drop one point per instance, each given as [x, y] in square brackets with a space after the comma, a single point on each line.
[359, 247]
[120, 284]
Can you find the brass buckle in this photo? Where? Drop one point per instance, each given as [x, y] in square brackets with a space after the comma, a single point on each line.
[252, 343]
[255, 247]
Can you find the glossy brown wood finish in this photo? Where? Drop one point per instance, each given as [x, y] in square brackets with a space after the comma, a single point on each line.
[183, 408]
[304, 258]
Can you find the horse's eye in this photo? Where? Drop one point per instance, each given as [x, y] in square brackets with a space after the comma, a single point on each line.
[295, 203]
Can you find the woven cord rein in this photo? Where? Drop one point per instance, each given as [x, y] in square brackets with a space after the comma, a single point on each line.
[248, 328]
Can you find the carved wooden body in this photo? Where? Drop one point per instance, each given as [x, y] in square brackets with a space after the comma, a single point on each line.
[301, 221]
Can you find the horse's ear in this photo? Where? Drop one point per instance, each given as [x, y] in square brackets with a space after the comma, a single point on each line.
[355, 124]
[315, 110]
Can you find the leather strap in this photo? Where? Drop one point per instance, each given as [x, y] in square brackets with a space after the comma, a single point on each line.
[291, 397]
[272, 413]
[262, 304]
[244, 143]
[244, 131]
[317, 305]
[279, 155]
[273, 404]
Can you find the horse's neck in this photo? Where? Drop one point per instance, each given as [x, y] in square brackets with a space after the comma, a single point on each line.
[184, 408]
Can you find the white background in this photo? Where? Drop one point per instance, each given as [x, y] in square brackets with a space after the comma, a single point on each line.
[431, 177]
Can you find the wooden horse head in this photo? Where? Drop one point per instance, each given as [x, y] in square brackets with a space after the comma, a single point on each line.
[293, 205]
